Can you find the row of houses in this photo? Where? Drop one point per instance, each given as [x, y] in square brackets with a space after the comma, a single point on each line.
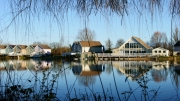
[32, 50]
[134, 46]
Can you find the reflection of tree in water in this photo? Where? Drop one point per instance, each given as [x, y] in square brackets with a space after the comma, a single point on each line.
[86, 80]
[175, 76]
[108, 68]
[159, 75]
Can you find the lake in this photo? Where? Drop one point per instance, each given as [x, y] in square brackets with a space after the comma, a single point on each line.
[89, 80]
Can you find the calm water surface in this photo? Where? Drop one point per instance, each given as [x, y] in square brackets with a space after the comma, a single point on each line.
[88, 80]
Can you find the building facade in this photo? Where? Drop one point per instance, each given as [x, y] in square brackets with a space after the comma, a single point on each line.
[160, 52]
[176, 48]
[87, 46]
[133, 47]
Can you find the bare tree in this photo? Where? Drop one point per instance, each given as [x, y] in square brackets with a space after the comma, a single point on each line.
[120, 7]
[1, 41]
[54, 45]
[159, 39]
[86, 35]
[27, 9]
[61, 41]
[36, 42]
[119, 42]
[175, 35]
[109, 45]
[156, 39]
[164, 41]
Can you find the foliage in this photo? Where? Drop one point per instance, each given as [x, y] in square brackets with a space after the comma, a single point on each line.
[15, 92]
[60, 50]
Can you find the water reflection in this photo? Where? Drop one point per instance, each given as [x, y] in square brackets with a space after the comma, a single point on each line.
[87, 71]
[24, 65]
[118, 80]
[159, 72]
[132, 69]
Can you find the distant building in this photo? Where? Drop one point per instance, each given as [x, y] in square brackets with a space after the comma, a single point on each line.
[41, 49]
[23, 49]
[87, 46]
[133, 47]
[176, 48]
[19, 49]
[30, 49]
[160, 52]
[9, 49]
[2, 49]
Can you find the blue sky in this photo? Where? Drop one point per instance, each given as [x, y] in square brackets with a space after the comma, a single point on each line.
[104, 25]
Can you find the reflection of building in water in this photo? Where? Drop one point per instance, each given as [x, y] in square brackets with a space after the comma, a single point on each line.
[89, 69]
[13, 65]
[159, 72]
[160, 65]
[23, 65]
[87, 72]
[176, 74]
[132, 69]
[42, 65]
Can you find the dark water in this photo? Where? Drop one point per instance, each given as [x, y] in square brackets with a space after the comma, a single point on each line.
[86, 80]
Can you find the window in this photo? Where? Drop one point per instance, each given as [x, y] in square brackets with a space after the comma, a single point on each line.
[126, 51]
[127, 45]
[155, 51]
[159, 51]
[164, 51]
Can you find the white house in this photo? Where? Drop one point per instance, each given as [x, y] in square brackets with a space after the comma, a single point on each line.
[9, 49]
[2, 49]
[160, 52]
[87, 46]
[176, 48]
[30, 49]
[133, 47]
[40, 50]
[23, 49]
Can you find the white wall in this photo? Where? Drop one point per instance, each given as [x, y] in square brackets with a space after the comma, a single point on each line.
[160, 52]
[47, 50]
[2, 51]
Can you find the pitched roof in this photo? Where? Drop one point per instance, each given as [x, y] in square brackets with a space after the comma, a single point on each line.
[12, 46]
[22, 46]
[2, 46]
[177, 43]
[90, 43]
[160, 48]
[142, 42]
[44, 46]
